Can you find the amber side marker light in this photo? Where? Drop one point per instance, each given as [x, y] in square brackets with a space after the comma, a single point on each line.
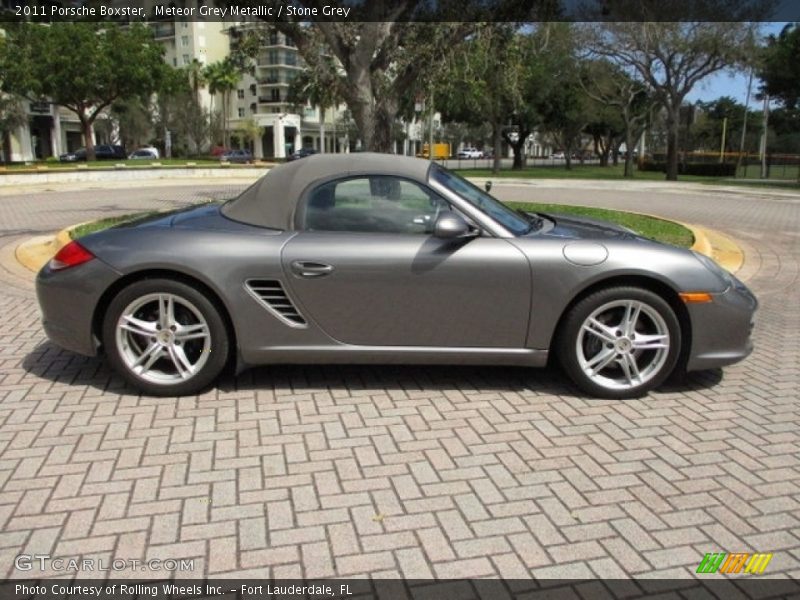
[696, 297]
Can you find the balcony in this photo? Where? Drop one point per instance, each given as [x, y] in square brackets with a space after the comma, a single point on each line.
[163, 30]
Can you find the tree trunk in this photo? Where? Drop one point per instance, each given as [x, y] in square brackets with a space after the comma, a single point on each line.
[497, 134]
[373, 116]
[568, 158]
[673, 123]
[322, 130]
[628, 152]
[605, 151]
[86, 125]
[518, 147]
[615, 153]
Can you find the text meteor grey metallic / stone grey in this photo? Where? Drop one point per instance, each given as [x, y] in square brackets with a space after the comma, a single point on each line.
[370, 258]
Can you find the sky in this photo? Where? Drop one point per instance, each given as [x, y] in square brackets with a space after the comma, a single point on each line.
[731, 84]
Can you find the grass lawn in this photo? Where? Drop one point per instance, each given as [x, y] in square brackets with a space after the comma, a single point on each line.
[649, 227]
[657, 229]
[612, 172]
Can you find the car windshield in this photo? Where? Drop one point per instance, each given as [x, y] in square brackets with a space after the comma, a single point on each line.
[515, 222]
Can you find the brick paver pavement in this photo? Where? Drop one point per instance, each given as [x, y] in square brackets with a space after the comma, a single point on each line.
[416, 472]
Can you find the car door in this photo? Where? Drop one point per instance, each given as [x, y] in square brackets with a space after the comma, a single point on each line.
[367, 270]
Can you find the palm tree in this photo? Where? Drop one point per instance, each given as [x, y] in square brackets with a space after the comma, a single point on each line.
[320, 88]
[197, 79]
[223, 77]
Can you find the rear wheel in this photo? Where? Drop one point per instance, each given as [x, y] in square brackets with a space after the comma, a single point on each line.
[165, 337]
[620, 342]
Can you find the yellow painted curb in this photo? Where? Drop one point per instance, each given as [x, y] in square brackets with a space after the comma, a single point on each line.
[721, 248]
[34, 253]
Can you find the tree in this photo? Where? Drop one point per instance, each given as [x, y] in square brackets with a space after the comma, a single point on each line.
[197, 79]
[671, 58]
[82, 66]
[318, 86]
[250, 131]
[627, 103]
[223, 76]
[780, 70]
[12, 117]
[565, 112]
[475, 90]
[382, 56]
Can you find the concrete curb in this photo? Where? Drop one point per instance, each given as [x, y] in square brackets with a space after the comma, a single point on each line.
[34, 253]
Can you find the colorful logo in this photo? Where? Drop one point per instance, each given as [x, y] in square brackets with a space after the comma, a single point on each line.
[742, 562]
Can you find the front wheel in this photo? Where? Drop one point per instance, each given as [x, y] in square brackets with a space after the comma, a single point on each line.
[620, 342]
[165, 337]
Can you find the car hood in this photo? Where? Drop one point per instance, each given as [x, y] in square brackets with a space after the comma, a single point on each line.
[583, 228]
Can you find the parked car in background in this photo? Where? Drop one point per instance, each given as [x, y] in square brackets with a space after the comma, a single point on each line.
[376, 258]
[302, 153]
[101, 152]
[558, 155]
[148, 152]
[236, 156]
[470, 153]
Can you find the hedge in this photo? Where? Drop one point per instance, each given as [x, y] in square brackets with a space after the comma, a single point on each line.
[701, 169]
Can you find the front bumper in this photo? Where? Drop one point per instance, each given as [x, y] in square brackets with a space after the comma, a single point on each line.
[68, 300]
[721, 329]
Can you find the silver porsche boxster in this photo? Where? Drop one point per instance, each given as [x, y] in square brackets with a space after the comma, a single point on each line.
[370, 258]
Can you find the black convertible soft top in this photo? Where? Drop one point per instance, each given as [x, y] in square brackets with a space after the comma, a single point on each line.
[271, 201]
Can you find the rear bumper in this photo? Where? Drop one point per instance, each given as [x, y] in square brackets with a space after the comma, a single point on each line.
[721, 330]
[68, 300]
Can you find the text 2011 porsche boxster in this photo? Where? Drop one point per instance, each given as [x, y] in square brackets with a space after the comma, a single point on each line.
[385, 259]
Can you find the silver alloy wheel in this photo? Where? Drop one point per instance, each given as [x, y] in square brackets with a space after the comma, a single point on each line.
[163, 338]
[623, 344]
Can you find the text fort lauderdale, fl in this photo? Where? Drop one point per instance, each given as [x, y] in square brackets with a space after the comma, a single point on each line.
[278, 12]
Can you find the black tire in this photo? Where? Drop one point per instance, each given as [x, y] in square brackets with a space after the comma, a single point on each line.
[656, 319]
[190, 308]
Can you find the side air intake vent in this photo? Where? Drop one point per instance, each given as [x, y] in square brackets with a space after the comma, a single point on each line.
[271, 294]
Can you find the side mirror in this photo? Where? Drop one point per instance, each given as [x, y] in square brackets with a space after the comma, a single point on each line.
[450, 226]
[487, 186]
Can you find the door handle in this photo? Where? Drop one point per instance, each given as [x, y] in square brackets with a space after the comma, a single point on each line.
[305, 268]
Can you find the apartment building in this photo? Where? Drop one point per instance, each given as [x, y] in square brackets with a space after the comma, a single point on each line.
[263, 96]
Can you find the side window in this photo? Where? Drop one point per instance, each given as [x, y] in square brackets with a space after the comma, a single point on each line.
[377, 204]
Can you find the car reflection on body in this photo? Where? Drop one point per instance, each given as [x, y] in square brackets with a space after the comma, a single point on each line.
[369, 258]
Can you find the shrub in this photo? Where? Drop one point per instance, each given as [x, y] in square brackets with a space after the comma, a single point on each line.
[699, 169]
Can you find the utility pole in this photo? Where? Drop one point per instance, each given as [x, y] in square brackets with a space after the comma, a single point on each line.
[722, 145]
[764, 173]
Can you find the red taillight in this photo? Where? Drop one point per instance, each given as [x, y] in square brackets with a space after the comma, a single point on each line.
[71, 255]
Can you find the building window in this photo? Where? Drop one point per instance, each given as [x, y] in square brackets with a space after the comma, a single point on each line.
[175, 61]
[241, 112]
[185, 25]
[186, 59]
[240, 94]
[184, 40]
[275, 95]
